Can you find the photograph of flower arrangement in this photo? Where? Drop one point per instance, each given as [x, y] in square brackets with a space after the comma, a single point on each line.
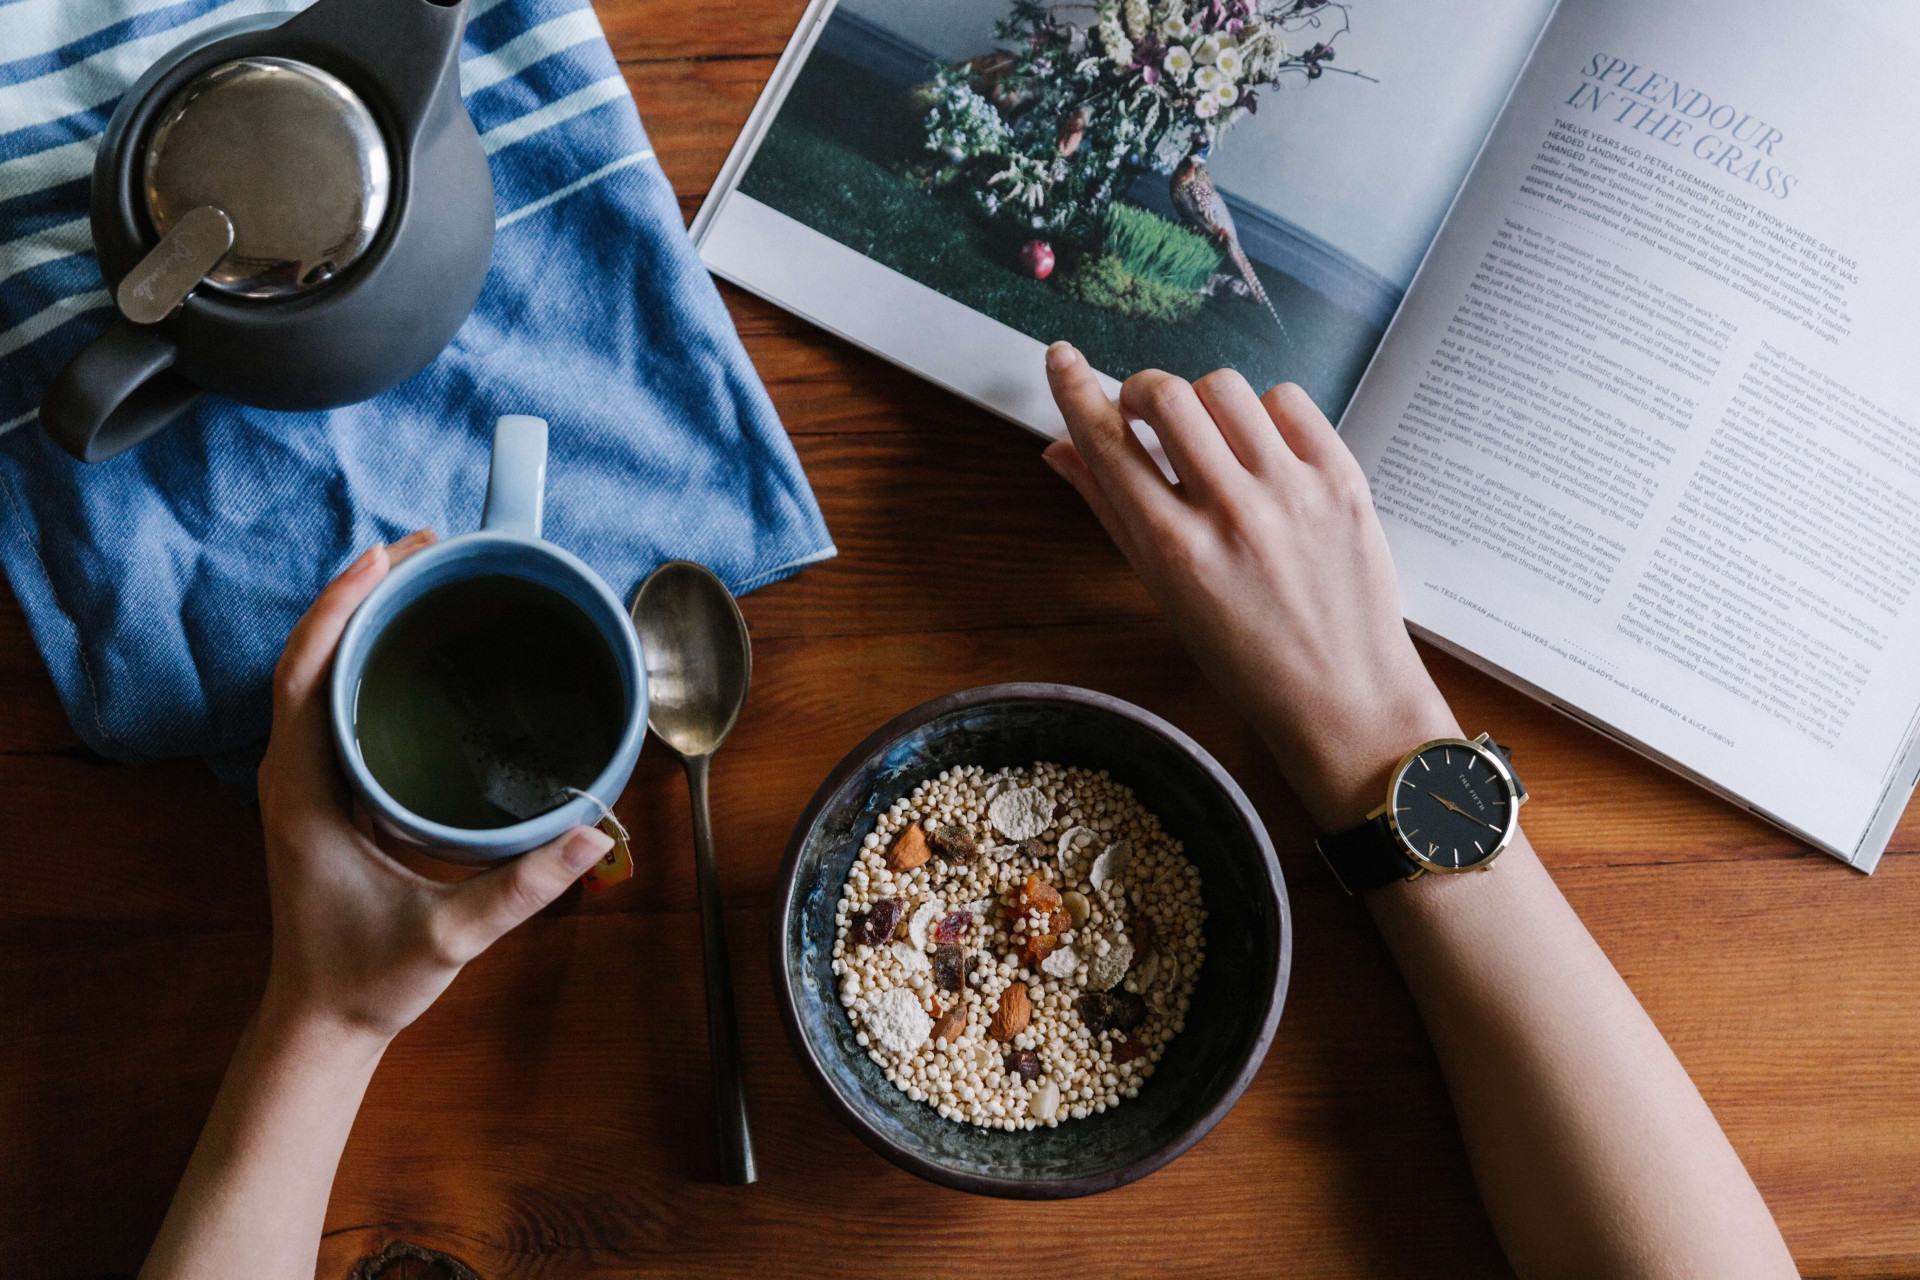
[1060, 180]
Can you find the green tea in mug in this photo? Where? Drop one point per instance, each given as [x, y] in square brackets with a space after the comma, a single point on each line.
[484, 699]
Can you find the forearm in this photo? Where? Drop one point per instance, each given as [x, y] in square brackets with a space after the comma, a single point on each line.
[253, 1199]
[1593, 1151]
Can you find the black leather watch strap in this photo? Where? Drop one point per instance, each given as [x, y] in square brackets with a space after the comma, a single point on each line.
[1367, 857]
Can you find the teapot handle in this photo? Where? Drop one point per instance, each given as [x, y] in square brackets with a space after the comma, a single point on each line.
[409, 48]
[117, 391]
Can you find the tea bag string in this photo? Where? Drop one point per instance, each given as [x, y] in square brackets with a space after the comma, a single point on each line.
[606, 814]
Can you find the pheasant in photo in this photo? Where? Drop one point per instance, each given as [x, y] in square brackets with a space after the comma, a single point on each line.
[1201, 208]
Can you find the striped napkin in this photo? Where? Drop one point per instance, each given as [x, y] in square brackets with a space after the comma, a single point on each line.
[161, 585]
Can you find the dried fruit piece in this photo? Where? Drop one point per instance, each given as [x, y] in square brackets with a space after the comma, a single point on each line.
[1024, 1063]
[951, 1024]
[1021, 813]
[953, 926]
[877, 923]
[909, 850]
[1015, 1010]
[1060, 921]
[896, 1020]
[1077, 907]
[1104, 971]
[1128, 1049]
[949, 967]
[1036, 850]
[973, 968]
[954, 844]
[1061, 964]
[1140, 929]
[922, 917]
[1105, 1011]
[1045, 1103]
[1037, 895]
[1037, 947]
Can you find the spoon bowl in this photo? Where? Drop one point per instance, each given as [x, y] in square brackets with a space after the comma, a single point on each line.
[699, 660]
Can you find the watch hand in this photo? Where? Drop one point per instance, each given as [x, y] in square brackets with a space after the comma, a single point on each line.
[1462, 812]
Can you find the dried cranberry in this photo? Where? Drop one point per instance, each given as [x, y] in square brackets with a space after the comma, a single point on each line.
[953, 926]
[949, 966]
[1024, 1063]
[879, 922]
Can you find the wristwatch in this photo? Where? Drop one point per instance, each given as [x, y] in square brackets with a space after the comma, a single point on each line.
[1452, 805]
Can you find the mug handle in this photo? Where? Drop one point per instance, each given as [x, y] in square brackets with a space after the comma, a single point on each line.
[517, 484]
[120, 389]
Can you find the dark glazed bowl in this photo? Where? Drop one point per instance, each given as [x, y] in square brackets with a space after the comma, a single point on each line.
[1236, 1002]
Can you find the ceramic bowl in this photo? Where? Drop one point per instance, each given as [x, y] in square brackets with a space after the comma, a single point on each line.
[1236, 1003]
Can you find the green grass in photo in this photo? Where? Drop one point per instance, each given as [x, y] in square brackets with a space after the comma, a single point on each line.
[841, 158]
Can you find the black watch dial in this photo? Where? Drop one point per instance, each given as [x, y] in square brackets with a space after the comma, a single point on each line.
[1453, 807]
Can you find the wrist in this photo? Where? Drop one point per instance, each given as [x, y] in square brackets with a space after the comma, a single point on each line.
[1341, 771]
[312, 1033]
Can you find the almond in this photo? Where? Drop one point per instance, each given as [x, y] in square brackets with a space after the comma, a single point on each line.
[1011, 1018]
[951, 1024]
[910, 850]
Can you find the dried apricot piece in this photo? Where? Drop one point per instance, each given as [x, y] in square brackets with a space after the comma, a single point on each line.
[1037, 895]
[1038, 947]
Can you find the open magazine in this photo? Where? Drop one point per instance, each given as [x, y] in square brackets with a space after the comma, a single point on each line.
[1613, 299]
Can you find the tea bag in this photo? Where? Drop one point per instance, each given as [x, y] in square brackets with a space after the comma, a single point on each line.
[500, 748]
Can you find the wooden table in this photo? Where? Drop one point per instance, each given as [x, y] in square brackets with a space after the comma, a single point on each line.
[549, 1117]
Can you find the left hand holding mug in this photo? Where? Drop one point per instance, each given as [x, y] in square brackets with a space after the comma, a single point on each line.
[359, 941]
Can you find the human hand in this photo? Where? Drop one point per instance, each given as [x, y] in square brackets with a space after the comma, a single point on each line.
[1268, 560]
[359, 941]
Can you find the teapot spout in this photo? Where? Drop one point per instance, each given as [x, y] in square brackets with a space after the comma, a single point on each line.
[406, 52]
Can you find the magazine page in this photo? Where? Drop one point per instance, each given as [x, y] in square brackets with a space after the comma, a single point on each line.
[1182, 184]
[1646, 433]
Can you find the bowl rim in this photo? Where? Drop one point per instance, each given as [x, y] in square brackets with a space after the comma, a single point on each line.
[783, 909]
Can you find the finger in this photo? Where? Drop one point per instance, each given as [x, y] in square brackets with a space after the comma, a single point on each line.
[1071, 467]
[309, 652]
[418, 540]
[1114, 456]
[1195, 447]
[483, 908]
[1244, 422]
[1305, 429]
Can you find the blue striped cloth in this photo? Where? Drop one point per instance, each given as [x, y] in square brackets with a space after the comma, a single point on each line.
[161, 585]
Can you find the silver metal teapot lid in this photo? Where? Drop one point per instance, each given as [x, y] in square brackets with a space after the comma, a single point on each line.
[293, 158]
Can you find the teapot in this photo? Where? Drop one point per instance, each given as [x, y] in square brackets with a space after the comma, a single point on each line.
[295, 214]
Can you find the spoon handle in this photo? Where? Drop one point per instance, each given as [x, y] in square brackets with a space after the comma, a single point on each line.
[723, 1031]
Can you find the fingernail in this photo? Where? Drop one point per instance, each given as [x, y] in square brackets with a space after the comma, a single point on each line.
[366, 560]
[416, 537]
[1060, 356]
[585, 847]
[1047, 457]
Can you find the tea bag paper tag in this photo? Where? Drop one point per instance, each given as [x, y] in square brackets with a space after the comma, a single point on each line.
[617, 865]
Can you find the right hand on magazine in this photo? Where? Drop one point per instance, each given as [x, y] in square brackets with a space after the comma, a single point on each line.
[1269, 562]
[361, 944]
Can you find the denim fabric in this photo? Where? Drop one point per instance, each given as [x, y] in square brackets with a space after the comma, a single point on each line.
[161, 585]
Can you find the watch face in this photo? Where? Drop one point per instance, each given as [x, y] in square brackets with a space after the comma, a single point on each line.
[1453, 807]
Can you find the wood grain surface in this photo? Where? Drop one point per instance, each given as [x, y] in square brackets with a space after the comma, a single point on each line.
[549, 1117]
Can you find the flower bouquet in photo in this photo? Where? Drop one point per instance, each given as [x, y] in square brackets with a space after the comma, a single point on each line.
[1046, 135]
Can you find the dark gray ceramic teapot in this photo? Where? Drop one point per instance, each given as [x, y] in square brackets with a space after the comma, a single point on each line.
[294, 214]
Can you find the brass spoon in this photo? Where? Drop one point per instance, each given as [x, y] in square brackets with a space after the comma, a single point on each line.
[699, 663]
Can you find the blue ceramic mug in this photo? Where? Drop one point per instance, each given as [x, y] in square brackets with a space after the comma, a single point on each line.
[507, 544]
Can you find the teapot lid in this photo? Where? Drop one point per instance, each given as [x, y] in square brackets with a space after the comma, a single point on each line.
[289, 153]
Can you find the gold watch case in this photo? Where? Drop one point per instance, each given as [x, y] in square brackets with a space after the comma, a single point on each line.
[1483, 746]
